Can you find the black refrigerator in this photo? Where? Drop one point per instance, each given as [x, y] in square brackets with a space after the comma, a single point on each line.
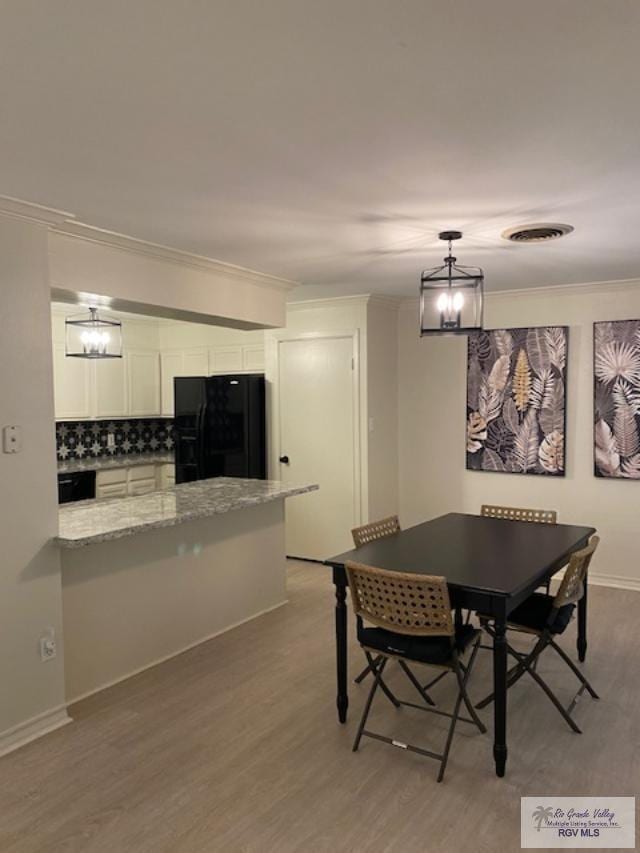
[220, 427]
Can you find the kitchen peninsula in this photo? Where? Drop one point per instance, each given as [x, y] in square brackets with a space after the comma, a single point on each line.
[147, 577]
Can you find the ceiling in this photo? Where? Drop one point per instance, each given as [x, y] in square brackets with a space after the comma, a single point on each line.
[328, 142]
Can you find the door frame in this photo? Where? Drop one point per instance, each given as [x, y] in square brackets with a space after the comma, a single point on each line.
[281, 337]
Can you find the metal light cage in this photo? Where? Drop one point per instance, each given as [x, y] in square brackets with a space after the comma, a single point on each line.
[451, 296]
[94, 336]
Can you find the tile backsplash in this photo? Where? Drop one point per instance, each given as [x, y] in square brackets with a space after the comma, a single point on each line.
[82, 439]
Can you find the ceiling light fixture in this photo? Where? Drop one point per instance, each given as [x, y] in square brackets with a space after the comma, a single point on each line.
[93, 336]
[451, 296]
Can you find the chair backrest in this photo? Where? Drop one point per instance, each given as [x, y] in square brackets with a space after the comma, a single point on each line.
[375, 530]
[514, 513]
[572, 585]
[401, 602]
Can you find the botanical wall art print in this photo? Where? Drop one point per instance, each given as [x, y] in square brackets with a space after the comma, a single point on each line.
[516, 381]
[616, 367]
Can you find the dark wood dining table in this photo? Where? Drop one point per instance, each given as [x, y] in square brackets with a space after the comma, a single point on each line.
[491, 566]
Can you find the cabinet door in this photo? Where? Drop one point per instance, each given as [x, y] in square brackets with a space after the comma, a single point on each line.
[167, 476]
[170, 367]
[142, 487]
[253, 358]
[71, 378]
[226, 359]
[195, 362]
[144, 382]
[113, 490]
[110, 377]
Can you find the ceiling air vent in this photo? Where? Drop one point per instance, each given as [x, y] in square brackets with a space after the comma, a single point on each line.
[539, 233]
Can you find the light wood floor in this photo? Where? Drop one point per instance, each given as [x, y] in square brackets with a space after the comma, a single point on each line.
[234, 746]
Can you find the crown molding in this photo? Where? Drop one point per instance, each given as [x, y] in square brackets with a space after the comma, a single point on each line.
[27, 211]
[595, 287]
[121, 242]
[388, 302]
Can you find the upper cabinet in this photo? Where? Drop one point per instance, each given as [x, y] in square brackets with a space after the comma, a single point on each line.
[110, 383]
[140, 384]
[72, 385]
[143, 382]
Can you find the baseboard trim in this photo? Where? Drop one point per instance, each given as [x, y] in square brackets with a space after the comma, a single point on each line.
[614, 581]
[34, 728]
[175, 654]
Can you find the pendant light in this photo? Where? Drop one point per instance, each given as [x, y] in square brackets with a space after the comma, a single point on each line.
[451, 296]
[93, 336]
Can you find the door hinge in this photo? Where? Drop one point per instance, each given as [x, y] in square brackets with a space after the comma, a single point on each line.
[353, 364]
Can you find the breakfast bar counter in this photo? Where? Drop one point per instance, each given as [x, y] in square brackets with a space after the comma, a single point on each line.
[145, 578]
[92, 522]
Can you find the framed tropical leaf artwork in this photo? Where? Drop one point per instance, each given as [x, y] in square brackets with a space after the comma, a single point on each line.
[616, 367]
[516, 414]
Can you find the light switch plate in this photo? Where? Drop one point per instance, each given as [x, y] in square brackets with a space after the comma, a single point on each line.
[11, 439]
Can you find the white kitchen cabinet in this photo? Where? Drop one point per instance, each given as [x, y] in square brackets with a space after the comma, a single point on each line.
[143, 382]
[166, 475]
[225, 359]
[170, 367]
[72, 385]
[111, 483]
[110, 382]
[195, 362]
[253, 358]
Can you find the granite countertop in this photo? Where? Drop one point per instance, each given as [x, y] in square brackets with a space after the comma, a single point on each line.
[88, 522]
[120, 460]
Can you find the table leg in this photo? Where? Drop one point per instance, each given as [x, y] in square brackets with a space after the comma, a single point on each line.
[582, 624]
[500, 694]
[342, 699]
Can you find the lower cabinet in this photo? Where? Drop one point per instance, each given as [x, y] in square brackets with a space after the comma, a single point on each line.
[136, 480]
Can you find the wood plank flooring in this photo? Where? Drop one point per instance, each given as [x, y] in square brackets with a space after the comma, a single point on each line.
[235, 746]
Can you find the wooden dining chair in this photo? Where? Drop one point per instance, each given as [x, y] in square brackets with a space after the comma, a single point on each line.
[546, 617]
[375, 530]
[369, 533]
[411, 621]
[513, 513]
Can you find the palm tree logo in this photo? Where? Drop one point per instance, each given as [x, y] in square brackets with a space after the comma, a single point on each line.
[542, 814]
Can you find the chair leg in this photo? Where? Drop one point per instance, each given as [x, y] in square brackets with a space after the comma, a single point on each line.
[452, 727]
[565, 657]
[516, 672]
[365, 672]
[375, 662]
[416, 683]
[377, 673]
[466, 672]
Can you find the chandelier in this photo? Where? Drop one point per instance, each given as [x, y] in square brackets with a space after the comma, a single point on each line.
[451, 296]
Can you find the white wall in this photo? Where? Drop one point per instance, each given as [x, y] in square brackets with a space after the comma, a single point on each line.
[135, 276]
[432, 388]
[382, 407]
[30, 594]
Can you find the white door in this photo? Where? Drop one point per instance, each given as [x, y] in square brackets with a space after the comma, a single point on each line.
[317, 396]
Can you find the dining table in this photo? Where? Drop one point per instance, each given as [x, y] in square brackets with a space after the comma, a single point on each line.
[491, 566]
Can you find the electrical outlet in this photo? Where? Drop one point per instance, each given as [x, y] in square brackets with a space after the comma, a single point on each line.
[48, 648]
[12, 439]
[111, 439]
